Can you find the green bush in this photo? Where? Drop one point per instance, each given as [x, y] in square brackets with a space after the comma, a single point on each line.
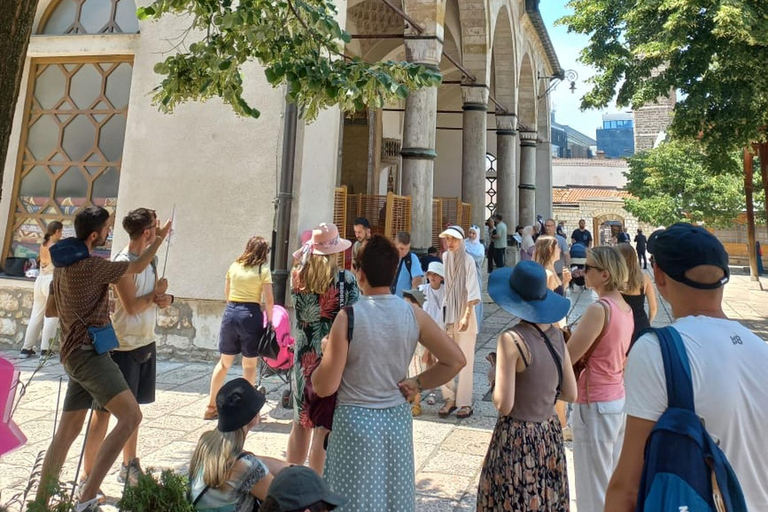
[166, 494]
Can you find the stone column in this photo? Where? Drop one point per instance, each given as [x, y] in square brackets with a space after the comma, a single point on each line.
[418, 151]
[527, 185]
[506, 168]
[544, 179]
[473, 149]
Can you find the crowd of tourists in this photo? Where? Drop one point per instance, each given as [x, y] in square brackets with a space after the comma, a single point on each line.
[358, 377]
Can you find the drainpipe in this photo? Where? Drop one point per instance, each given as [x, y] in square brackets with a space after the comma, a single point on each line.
[283, 201]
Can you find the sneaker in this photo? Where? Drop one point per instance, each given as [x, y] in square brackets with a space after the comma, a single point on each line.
[88, 506]
[100, 498]
[130, 471]
[431, 399]
[26, 353]
[47, 353]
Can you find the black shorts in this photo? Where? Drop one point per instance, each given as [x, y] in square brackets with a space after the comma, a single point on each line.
[241, 329]
[139, 369]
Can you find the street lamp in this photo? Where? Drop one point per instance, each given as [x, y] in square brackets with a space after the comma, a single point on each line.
[570, 75]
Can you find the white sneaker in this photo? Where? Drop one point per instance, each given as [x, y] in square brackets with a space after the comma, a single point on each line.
[88, 506]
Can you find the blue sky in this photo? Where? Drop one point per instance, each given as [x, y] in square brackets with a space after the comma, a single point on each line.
[568, 46]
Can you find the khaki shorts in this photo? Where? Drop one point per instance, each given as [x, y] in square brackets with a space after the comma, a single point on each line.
[92, 378]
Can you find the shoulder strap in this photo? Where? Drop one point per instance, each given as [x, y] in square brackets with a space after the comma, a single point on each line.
[342, 284]
[677, 369]
[409, 263]
[519, 348]
[555, 357]
[205, 489]
[350, 311]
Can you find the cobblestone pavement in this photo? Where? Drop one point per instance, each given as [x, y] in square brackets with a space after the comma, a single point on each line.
[448, 453]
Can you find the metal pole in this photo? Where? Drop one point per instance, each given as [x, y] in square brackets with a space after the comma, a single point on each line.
[281, 233]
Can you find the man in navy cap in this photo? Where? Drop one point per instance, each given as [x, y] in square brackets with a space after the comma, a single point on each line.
[727, 361]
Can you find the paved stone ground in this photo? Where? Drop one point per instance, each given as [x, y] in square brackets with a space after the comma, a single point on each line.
[448, 453]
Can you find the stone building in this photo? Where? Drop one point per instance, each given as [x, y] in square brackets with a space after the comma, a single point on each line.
[86, 133]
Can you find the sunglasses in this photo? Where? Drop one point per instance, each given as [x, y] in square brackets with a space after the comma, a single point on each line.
[587, 268]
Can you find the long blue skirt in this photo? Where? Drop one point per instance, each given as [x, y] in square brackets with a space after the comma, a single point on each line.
[370, 459]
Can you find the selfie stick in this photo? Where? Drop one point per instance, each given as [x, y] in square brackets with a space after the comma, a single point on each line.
[168, 240]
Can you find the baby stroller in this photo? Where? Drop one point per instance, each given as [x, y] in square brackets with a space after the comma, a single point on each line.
[282, 365]
[578, 261]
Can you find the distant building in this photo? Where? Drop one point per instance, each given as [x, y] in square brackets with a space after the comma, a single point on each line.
[617, 136]
[570, 143]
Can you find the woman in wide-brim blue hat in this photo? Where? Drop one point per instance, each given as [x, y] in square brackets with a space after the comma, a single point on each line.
[533, 369]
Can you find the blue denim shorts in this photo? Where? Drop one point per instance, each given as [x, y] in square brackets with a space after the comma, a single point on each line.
[241, 329]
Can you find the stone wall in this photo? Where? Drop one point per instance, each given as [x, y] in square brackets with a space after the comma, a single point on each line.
[595, 211]
[188, 330]
[15, 307]
[651, 120]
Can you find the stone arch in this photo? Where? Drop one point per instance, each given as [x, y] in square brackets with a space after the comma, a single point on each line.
[503, 60]
[64, 17]
[605, 222]
[475, 38]
[526, 98]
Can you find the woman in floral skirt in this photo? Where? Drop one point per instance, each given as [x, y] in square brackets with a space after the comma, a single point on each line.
[318, 291]
[525, 467]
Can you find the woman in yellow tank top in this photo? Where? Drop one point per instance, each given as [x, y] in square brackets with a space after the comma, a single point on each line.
[248, 281]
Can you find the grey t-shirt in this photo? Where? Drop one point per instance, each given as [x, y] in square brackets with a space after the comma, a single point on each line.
[384, 338]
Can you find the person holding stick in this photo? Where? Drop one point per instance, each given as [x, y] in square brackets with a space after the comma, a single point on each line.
[80, 299]
[134, 320]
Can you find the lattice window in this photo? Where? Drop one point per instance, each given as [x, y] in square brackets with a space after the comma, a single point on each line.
[91, 17]
[72, 146]
[490, 185]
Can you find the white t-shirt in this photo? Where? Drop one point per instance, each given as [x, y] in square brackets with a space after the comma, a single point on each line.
[135, 331]
[729, 369]
[433, 302]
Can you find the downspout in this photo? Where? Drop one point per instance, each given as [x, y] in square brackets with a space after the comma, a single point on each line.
[283, 202]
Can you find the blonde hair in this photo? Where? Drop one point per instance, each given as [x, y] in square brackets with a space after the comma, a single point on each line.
[316, 275]
[215, 454]
[635, 280]
[610, 259]
[544, 250]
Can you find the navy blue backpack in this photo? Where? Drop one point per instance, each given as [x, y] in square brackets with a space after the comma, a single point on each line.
[684, 470]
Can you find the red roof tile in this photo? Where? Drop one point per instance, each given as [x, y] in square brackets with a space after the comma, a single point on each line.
[576, 194]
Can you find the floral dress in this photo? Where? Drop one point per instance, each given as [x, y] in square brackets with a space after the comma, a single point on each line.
[314, 316]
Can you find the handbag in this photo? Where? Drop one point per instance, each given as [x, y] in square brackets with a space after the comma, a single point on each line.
[320, 409]
[267, 345]
[256, 501]
[103, 339]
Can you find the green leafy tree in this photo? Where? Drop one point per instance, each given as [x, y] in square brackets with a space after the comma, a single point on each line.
[298, 43]
[675, 182]
[714, 52]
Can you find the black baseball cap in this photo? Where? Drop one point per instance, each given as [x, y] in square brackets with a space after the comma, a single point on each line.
[297, 487]
[681, 247]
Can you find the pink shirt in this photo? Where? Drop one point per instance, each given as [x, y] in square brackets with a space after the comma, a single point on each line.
[606, 364]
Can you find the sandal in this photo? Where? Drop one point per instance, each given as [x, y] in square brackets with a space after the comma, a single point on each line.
[210, 413]
[415, 410]
[446, 409]
[465, 412]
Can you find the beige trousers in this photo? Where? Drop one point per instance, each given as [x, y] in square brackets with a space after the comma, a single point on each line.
[462, 392]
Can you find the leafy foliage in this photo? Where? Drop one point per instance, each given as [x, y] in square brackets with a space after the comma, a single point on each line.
[712, 51]
[674, 182]
[168, 494]
[298, 42]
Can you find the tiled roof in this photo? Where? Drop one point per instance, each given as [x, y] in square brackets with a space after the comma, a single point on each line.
[575, 194]
[590, 162]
